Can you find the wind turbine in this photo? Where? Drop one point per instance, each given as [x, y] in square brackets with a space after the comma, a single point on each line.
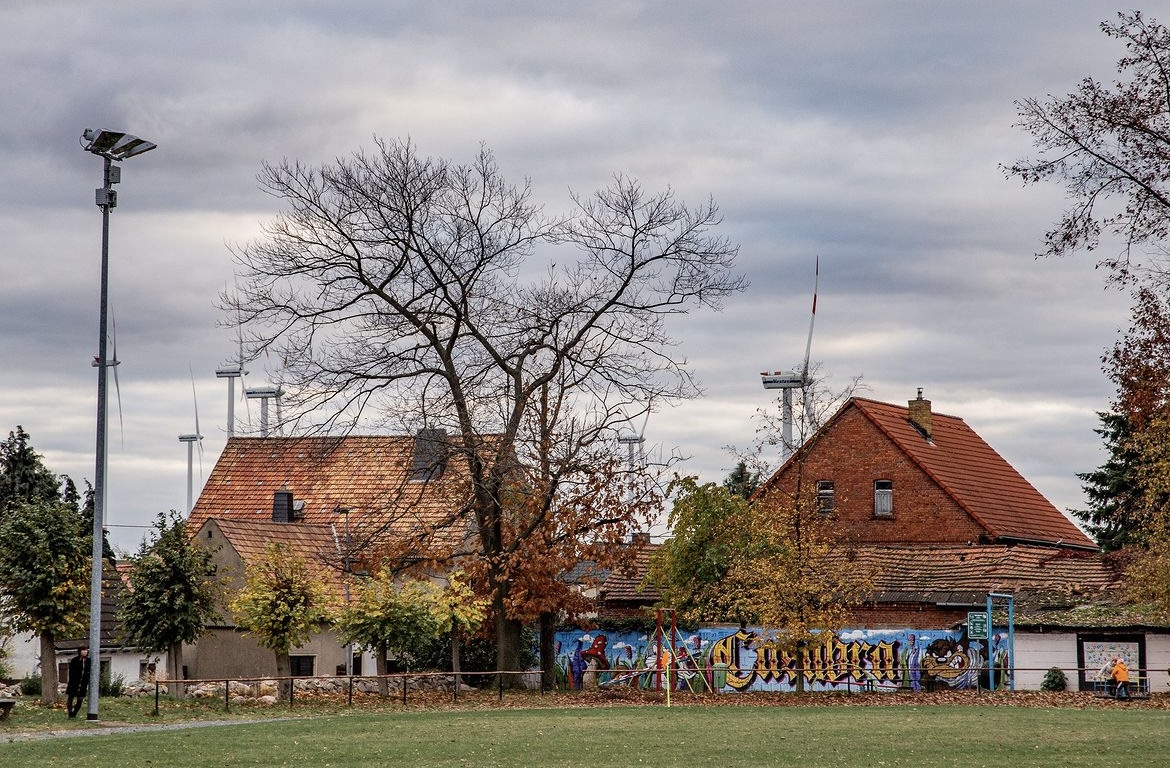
[231, 373]
[790, 380]
[191, 439]
[264, 394]
[634, 443]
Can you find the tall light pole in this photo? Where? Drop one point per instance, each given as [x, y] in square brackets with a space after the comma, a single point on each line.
[112, 147]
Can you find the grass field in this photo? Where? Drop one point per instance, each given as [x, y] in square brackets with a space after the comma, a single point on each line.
[692, 735]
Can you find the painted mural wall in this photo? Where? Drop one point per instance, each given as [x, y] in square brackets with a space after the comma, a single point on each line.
[731, 659]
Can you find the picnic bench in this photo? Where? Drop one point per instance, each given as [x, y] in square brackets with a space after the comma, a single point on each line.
[6, 706]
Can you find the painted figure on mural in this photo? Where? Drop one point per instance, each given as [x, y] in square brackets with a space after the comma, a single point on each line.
[691, 665]
[1001, 661]
[577, 664]
[596, 669]
[945, 661]
[912, 663]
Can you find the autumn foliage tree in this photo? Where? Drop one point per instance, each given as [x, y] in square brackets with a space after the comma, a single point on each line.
[1109, 145]
[406, 291]
[281, 603]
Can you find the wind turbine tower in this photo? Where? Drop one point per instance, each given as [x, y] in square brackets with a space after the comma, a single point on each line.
[264, 394]
[231, 373]
[191, 439]
[790, 380]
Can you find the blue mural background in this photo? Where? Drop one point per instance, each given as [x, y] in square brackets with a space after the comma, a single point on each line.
[731, 659]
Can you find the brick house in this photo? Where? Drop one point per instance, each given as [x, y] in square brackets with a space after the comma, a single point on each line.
[908, 476]
[941, 519]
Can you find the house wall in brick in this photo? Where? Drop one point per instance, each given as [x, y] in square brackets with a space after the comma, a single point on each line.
[854, 453]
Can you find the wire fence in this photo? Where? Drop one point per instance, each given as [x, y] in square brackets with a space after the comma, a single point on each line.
[674, 680]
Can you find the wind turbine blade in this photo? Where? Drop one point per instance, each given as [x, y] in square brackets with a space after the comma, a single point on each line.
[240, 354]
[812, 320]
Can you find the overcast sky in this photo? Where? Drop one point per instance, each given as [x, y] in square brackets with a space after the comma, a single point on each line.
[868, 133]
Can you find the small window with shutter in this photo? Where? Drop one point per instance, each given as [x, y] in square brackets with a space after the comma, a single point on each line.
[826, 497]
[883, 498]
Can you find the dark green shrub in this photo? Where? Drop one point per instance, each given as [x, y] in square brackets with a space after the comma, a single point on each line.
[1054, 680]
[110, 686]
[31, 686]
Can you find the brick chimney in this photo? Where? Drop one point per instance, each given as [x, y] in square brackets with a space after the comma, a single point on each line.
[282, 505]
[919, 413]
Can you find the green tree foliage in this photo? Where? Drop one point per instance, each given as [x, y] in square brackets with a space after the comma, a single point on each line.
[691, 567]
[742, 480]
[282, 602]
[1108, 144]
[44, 577]
[24, 479]
[385, 615]
[171, 594]
[1114, 515]
[459, 613]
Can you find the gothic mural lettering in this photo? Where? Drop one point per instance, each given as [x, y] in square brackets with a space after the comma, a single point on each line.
[731, 659]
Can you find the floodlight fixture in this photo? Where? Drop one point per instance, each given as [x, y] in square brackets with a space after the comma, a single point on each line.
[111, 146]
[114, 145]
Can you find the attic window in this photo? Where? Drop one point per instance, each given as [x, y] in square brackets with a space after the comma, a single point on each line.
[883, 498]
[826, 497]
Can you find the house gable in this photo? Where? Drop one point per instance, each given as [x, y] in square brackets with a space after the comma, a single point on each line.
[978, 478]
[947, 485]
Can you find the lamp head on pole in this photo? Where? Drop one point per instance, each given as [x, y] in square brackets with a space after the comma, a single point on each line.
[114, 145]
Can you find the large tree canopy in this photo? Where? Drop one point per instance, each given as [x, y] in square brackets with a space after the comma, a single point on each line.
[406, 291]
[171, 593]
[24, 479]
[44, 577]
[1109, 145]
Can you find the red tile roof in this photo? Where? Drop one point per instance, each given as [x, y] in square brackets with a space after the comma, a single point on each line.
[623, 586]
[367, 475]
[975, 476]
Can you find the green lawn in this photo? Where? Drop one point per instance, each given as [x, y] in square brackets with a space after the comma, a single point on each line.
[596, 737]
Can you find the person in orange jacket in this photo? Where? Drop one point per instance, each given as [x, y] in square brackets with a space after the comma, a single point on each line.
[1120, 675]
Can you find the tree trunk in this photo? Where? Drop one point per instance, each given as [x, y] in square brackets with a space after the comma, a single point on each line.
[48, 669]
[800, 648]
[508, 639]
[283, 673]
[548, 657]
[456, 642]
[380, 668]
[175, 686]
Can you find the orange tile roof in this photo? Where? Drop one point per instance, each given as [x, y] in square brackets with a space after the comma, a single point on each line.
[973, 474]
[367, 475]
[622, 586]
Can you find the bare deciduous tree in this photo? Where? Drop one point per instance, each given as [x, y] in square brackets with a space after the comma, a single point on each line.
[405, 291]
[1109, 145]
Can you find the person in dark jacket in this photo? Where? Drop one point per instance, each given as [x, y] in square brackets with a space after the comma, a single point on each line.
[78, 684]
